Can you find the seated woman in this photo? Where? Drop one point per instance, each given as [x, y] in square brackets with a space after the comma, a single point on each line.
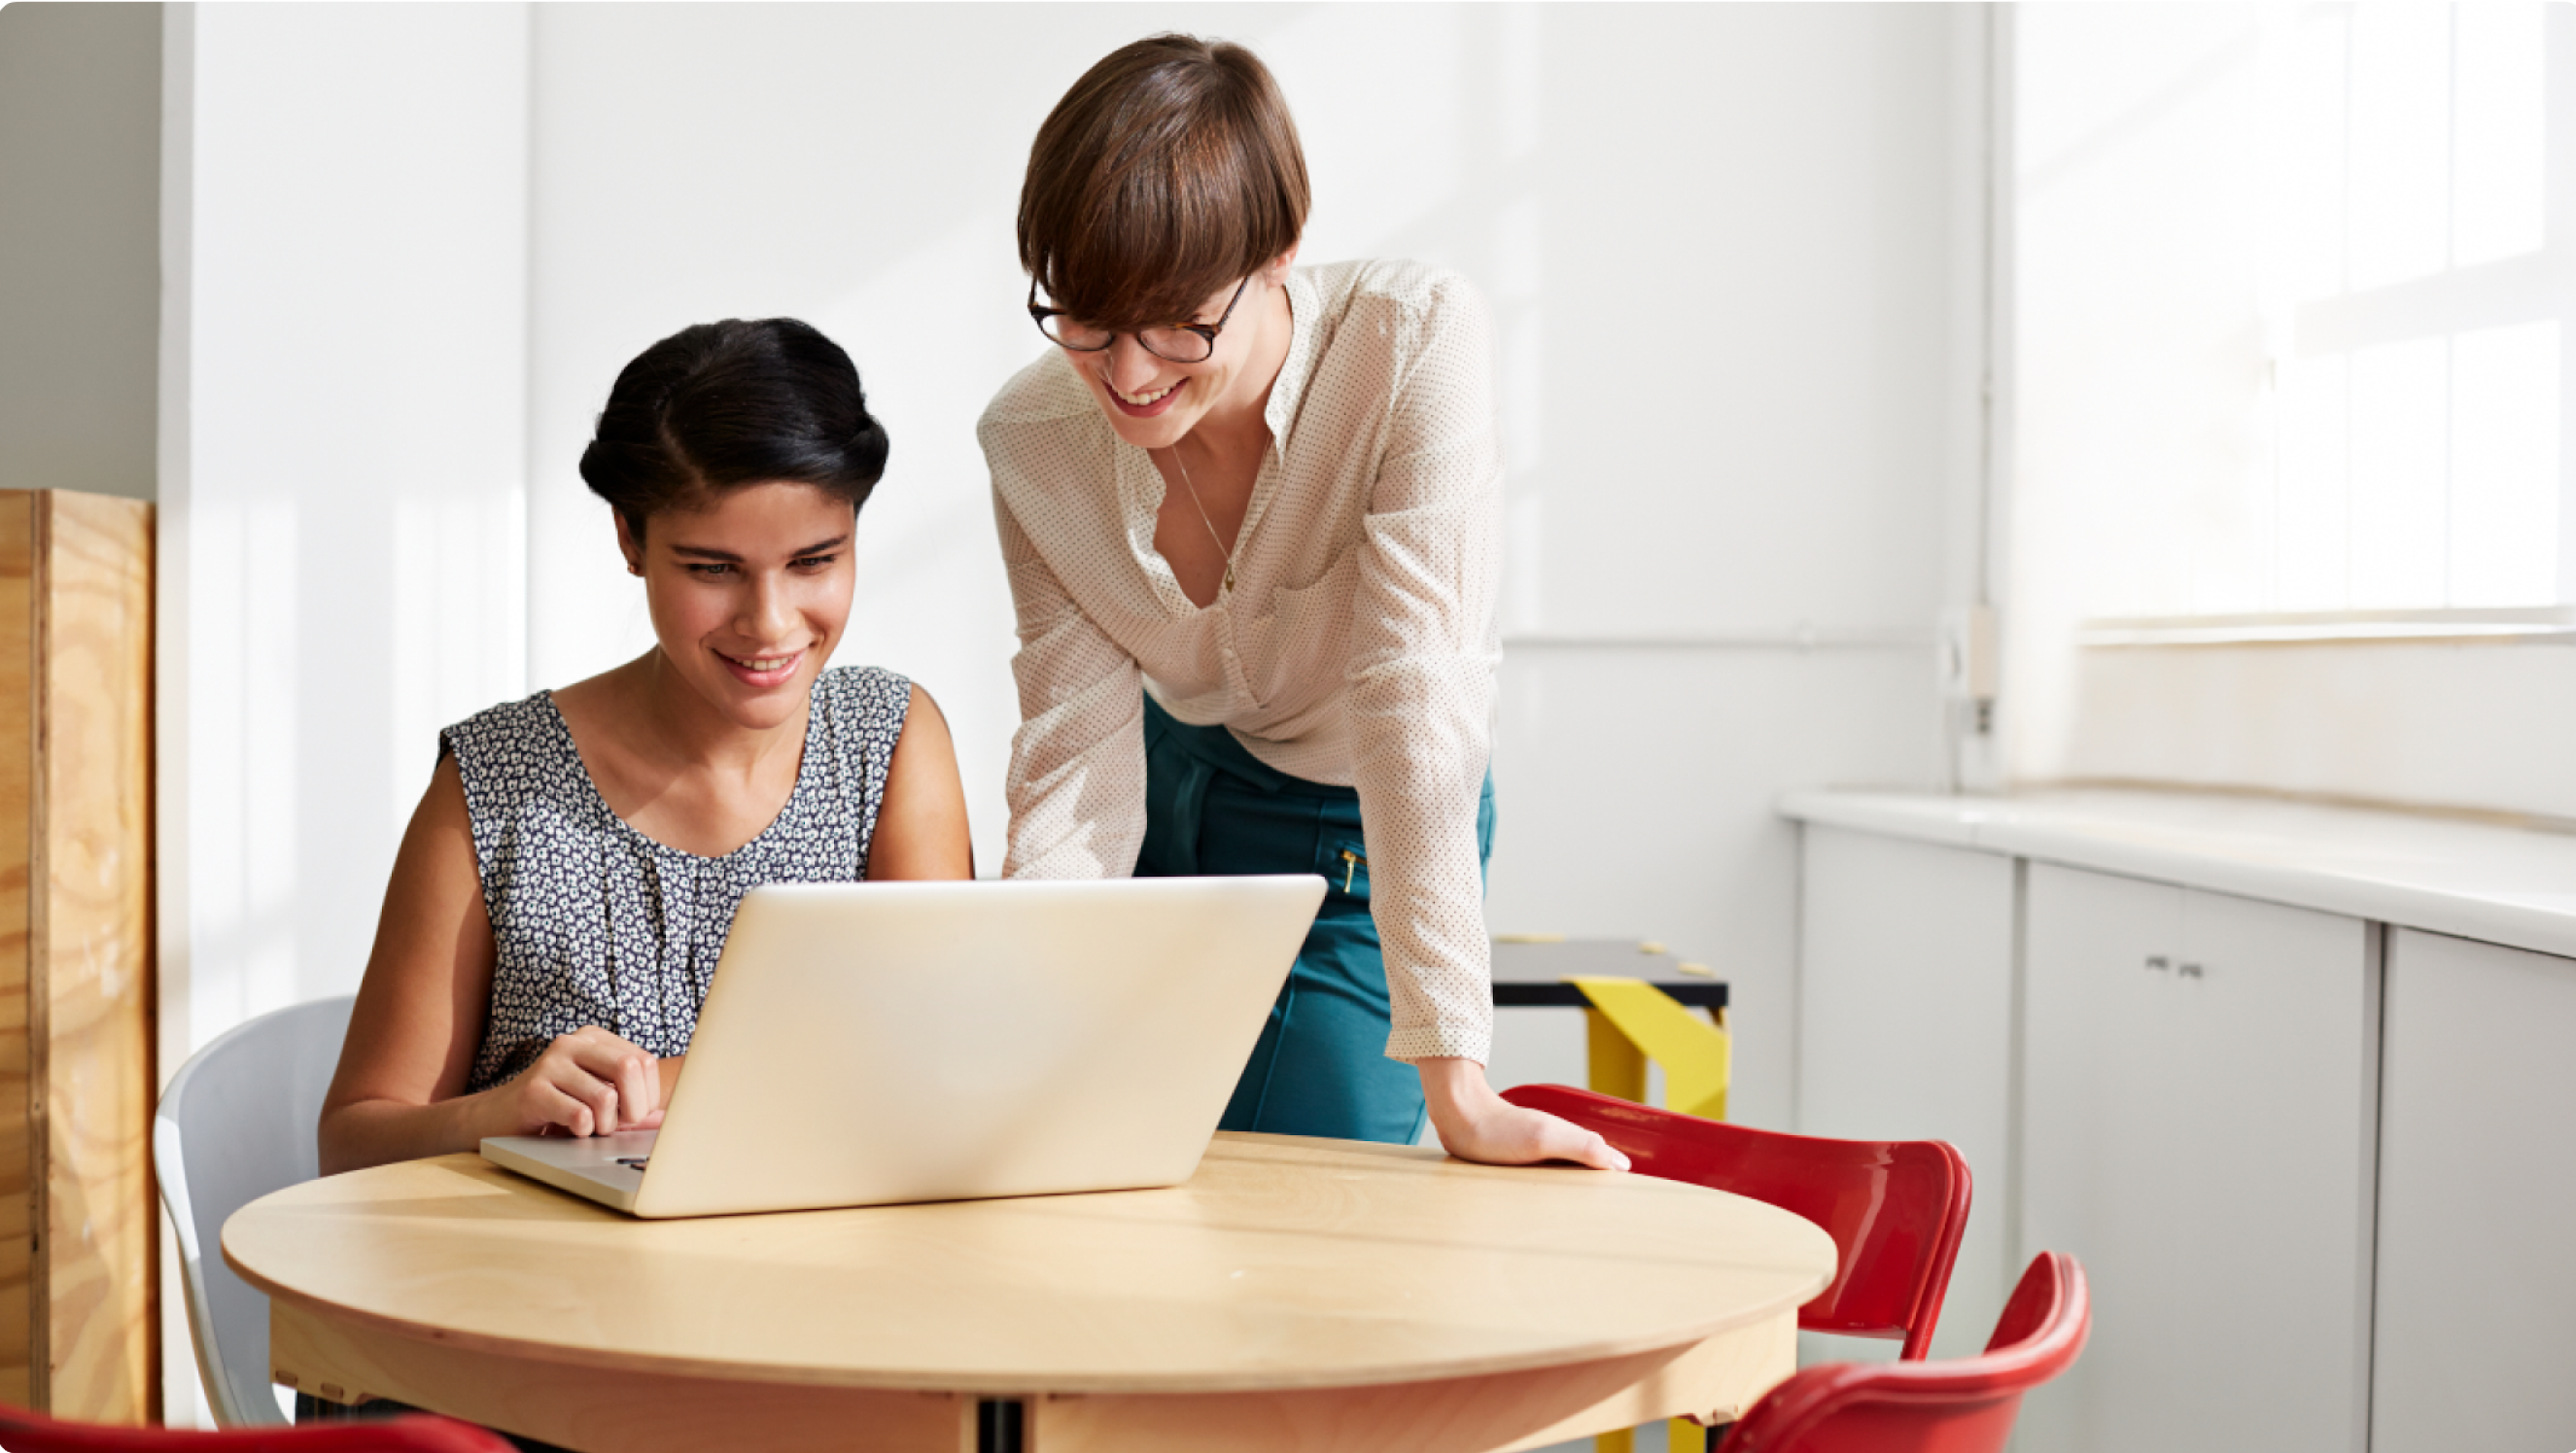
[566, 885]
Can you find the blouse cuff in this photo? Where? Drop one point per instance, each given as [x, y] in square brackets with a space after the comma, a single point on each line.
[1440, 1041]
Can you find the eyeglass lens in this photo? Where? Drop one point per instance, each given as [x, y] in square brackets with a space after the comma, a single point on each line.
[1180, 345]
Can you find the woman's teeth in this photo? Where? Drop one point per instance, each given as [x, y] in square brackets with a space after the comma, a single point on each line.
[764, 664]
[1142, 399]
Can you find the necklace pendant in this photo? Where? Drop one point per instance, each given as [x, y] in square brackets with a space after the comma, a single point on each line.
[1229, 575]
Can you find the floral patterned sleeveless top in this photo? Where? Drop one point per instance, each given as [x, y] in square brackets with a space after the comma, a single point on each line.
[595, 923]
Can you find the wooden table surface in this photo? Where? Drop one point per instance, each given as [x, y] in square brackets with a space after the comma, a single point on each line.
[1294, 1294]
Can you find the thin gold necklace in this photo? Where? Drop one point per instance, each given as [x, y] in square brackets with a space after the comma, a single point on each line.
[1213, 536]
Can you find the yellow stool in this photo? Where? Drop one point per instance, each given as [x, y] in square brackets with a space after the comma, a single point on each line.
[1629, 1023]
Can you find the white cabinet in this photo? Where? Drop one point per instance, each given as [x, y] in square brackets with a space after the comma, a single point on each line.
[2198, 1125]
[1905, 1031]
[2476, 1314]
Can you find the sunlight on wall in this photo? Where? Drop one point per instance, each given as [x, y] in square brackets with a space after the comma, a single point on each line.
[348, 438]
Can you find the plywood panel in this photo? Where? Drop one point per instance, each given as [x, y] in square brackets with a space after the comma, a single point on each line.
[91, 930]
[20, 1345]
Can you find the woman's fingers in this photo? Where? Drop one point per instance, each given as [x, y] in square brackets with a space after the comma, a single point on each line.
[627, 1070]
[592, 1082]
[1528, 1136]
[558, 1106]
[1566, 1141]
[595, 1095]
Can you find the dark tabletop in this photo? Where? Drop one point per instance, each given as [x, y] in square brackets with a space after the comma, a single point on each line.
[1533, 974]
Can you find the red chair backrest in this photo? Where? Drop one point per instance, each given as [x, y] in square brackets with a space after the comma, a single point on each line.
[1964, 1405]
[1895, 1208]
[24, 1432]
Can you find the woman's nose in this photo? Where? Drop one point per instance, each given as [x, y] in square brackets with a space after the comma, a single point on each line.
[769, 617]
[1131, 368]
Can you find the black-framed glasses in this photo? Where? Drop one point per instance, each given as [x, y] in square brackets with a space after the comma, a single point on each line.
[1177, 343]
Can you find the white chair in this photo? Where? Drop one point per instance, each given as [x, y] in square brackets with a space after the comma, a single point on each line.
[238, 1122]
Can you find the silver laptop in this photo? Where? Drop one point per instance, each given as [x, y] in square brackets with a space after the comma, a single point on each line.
[871, 1043]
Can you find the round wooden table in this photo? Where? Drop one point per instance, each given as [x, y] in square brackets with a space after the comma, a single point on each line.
[1294, 1294]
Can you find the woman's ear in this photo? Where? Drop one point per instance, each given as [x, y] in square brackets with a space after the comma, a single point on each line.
[1275, 271]
[628, 545]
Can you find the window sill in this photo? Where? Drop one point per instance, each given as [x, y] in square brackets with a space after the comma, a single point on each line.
[2522, 625]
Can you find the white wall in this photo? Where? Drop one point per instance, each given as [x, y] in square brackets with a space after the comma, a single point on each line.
[342, 441]
[80, 198]
[342, 480]
[1734, 264]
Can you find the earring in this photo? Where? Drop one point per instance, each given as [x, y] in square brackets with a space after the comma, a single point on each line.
[634, 569]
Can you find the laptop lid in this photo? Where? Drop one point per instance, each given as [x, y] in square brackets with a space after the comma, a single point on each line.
[868, 1043]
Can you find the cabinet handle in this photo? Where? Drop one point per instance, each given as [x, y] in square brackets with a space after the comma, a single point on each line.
[2191, 971]
[2159, 962]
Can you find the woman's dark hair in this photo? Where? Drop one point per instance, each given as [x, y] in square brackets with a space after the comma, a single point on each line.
[1169, 172]
[722, 405]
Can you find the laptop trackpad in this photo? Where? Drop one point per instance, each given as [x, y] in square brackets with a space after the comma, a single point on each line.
[609, 1160]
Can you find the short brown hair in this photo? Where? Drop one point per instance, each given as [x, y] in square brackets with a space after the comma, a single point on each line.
[1169, 171]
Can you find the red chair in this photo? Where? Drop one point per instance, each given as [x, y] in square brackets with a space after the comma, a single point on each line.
[1895, 1208]
[25, 1432]
[1963, 1405]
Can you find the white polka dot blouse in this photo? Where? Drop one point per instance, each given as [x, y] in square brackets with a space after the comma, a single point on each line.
[1358, 646]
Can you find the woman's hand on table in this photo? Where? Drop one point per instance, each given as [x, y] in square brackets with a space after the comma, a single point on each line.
[1476, 1124]
[588, 1082]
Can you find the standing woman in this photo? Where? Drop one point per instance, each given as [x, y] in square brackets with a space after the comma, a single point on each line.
[1249, 513]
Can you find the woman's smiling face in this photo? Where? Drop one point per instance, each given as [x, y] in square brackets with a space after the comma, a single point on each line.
[749, 593]
[1153, 402]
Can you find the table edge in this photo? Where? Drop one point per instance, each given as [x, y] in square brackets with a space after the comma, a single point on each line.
[1375, 1375]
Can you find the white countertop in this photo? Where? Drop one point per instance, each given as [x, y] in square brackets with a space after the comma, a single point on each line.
[2499, 884]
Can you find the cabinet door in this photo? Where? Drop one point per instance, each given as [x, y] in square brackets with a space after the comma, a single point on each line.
[1905, 1033]
[2097, 1127]
[2199, 1123]
[2476, 1307]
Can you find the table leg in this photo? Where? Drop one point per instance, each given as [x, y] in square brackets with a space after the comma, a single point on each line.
[1618, 1068]
[998, 1425]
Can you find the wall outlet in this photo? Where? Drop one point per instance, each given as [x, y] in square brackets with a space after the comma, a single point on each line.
[1967, 649]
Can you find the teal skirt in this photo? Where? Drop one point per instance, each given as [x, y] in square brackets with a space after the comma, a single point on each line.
[1320, 1067]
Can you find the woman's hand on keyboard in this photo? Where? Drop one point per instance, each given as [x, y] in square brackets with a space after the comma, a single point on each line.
[588, 1082]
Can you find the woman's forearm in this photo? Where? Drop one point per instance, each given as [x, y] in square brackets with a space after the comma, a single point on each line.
[377, 1132]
